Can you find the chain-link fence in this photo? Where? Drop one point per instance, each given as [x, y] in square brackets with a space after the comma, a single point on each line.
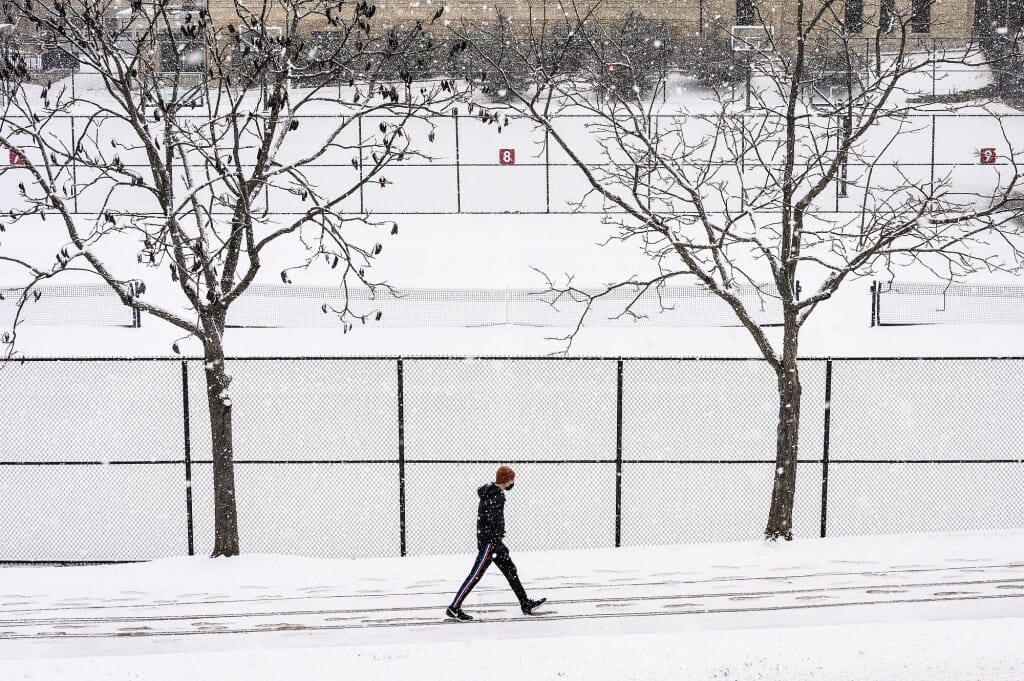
[475, 170]
[109, 460]
[64, 305]
[917, 302]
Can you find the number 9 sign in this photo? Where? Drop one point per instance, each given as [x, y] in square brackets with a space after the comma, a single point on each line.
[987, 156]
[507, 157]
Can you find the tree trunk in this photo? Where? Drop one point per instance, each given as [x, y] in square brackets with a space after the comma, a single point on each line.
[780, 517]
[219, 400]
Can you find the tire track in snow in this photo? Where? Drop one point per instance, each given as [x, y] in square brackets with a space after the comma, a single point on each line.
[602, 585]
[552, 616]
[383, 616]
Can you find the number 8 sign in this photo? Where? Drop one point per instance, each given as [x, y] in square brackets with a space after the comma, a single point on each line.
[507, 157]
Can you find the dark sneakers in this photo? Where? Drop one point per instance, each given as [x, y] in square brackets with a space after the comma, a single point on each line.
[530, 605]
[457, 614]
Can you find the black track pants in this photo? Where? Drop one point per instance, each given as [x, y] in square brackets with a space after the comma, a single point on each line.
[497, 553]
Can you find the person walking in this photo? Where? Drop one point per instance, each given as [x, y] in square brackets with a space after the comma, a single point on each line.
[490, 531]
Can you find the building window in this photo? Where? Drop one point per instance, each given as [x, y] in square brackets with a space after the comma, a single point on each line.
[921, 16]
[744, 12]
[887, 16]
[854, 20]
[179, 54]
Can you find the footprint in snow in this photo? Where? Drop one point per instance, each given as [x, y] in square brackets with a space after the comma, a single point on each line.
[886, 591]
[955, 593]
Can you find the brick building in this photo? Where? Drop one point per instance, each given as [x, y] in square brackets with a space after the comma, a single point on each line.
[948, 19]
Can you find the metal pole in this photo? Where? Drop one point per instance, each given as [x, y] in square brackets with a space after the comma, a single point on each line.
[845, 130]
[748, 81]
[74, 147]
[824, 453]
[401, 455]
[652, 126]
[935, 74]
[931, 184]
[458, 165]
[618, 455]
[547, 171]
[874, 308]
[188, 459]
[361, 207]
[878, 303]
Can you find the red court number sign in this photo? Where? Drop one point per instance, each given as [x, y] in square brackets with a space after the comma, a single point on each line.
[14, 158]
[987, 156]
[507, 157]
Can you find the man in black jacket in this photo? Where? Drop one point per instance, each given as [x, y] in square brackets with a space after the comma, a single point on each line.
[490, 530]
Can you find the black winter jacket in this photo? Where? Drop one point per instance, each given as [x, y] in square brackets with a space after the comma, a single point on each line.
[490, 518]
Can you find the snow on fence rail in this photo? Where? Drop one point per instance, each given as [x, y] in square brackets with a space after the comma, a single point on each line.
[295, 306]
[274, 305]
[110, 459]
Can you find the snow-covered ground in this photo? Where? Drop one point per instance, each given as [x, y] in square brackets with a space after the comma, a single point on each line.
[909, 608]
[509, 251]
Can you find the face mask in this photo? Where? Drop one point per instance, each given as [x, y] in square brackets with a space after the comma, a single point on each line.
[510, 486]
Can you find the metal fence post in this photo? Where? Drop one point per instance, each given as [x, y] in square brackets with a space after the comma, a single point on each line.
[931, 181]
[359, 125]
[458, 165]
[824, 451]
[878, 303]
[188, 459]
[74, 143]
[401, 455]
[652, 127]
[618, 455]
[874, 291]
[547, 171]
[935, 66]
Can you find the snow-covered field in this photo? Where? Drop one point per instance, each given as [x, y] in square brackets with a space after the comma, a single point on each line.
[485, 248]
[911, 608]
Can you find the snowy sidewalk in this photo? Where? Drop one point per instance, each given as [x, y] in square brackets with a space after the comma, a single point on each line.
[920, 606]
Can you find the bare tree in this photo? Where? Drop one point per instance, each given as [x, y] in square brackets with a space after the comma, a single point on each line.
[738, 186]
[178, 141]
